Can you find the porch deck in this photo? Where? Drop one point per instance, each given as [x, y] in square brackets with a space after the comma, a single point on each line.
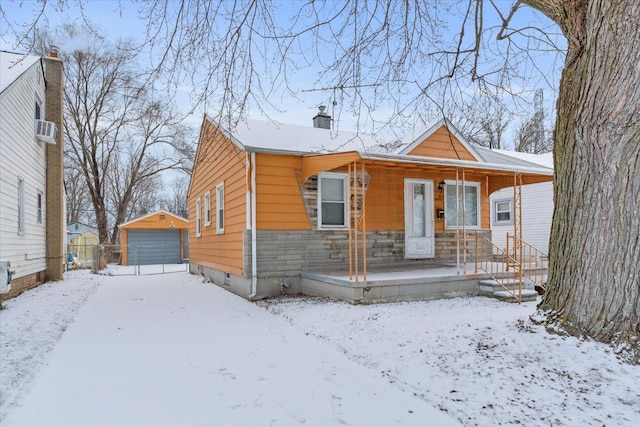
[394, 283]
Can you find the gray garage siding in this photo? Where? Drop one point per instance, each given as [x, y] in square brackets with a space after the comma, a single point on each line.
[153, 247]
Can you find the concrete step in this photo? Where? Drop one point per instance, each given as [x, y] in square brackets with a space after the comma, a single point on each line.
[527, 295]
[488, 286]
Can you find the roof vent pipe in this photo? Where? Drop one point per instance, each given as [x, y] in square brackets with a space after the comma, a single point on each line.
[322, 120]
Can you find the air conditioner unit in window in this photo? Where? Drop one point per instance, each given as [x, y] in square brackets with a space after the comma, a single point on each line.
[46, 131]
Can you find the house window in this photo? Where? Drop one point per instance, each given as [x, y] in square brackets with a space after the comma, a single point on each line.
[38, 111]
[503, 212]
[332, 200]
[198, 213]
[39, 208]
[470, 216]
[207, 208]
[20, 205]
[220, 208]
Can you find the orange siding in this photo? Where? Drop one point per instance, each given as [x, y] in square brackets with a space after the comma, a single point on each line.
[442, 144]
[157, 221]
[218, 160]
[279, 203]
[385, 197]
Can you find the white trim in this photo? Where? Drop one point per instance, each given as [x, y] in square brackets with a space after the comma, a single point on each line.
[422, 247]
[198, 218]
[40, 207]
[451, 128]
[494, 211]
[478, 204]
[21, 207]
[161, 211]
[207, 209]
[220, 208]
[333, 175]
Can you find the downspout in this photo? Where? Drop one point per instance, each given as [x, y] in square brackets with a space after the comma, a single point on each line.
[254, 249]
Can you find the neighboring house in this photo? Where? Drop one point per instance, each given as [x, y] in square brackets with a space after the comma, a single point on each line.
[32, 215]
[269, 202]
[157, 238]
[81, 241]
[537, 206]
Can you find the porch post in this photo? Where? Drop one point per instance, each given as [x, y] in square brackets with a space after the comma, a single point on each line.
[350, 228]
[464, 223]
[457, 222]
[364, 225]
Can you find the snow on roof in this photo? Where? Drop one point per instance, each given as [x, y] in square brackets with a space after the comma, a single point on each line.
[269, 136]
[516, 158]
[12, 66]
[260, 135]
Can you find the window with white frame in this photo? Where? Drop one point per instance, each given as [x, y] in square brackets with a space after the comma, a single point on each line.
[198, 219]
[207, 208]
[20, 205]
[465, 201]
[220, 208]
[332, 200]
[503, 212]
[39, 207]
[38, 111]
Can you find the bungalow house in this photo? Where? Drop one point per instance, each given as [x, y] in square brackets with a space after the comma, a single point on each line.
[282, 208]
[32, 215]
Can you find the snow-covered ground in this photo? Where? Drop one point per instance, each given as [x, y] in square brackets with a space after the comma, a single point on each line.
[164, 350]
[478, 359]
[173, 350]
[31, 325]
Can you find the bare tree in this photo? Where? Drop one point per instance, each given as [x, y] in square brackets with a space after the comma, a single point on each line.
[77, 197]
[175, 200]
[120, 135]
[484, 124]
[529, 139]
[400, 56]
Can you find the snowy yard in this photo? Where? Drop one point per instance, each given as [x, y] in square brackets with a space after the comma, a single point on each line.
[477, 359]
[164, 350]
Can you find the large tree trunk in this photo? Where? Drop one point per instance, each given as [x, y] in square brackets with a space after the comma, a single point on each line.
[594, 275]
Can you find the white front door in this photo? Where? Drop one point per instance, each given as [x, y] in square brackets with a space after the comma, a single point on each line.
[418, 219]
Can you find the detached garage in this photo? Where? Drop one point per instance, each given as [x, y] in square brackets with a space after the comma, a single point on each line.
[157, 238]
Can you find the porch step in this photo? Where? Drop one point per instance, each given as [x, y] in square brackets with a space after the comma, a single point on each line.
[527, 295]
[495, 289]
[488, 287]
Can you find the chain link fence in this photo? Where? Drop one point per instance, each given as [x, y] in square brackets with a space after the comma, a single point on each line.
[140, 260]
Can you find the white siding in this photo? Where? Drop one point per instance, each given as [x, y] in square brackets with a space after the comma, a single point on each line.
[537, 212]
[22, 155]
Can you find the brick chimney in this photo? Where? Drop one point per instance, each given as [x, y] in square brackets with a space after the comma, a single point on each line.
[55, 212]
[322, 120]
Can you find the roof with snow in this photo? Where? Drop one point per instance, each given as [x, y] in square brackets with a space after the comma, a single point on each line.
[269, 136]
[13, 65]
[516, 158]
[272, 137]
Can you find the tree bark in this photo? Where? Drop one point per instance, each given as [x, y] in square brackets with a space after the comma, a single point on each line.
[594, 275]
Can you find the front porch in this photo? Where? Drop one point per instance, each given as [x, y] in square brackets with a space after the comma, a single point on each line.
[398, 282]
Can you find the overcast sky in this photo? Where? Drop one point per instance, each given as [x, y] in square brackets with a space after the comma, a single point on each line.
[118, 19]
